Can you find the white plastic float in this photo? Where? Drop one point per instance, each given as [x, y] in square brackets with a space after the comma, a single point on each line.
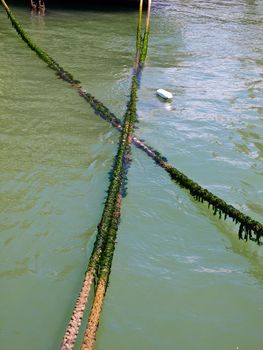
[164, 94]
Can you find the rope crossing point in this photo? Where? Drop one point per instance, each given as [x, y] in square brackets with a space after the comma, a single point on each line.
[248, 228]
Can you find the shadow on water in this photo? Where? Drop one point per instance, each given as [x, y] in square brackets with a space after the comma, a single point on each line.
[249, 250]
[253, 255]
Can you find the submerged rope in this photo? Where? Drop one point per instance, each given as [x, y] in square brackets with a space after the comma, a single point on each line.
[248, 229]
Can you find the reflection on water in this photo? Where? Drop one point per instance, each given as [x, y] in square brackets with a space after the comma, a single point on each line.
[176, 267]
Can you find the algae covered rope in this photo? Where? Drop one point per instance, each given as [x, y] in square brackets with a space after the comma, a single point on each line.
[109, 222]
[145, 40]
[111, 207]
[139, 33]
[107, 257]
[249, 228]
[41, 53]
[97, 105]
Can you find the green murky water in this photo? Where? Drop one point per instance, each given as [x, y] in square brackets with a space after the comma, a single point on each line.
[180, 278]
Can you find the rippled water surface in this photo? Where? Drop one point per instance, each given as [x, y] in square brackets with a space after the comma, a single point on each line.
[180, 278]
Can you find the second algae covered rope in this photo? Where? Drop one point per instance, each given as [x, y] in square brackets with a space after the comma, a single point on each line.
[248, 229]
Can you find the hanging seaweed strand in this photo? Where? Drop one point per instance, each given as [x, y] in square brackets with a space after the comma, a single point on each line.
[249, 228]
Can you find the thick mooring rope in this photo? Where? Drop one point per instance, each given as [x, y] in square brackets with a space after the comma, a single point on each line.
[144, 49]
[107, 256]
[249, 228]
[139, 34]
[107, 229]
[42, 54]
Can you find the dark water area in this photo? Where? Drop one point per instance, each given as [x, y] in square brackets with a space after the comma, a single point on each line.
[85, 5]
[181, 279]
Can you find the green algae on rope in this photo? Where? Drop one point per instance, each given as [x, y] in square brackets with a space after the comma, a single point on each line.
[42, 54]
[112, 205]
[249, 228]
[108, 226]
[122, 158]
[139, 32]
[252, 229]
[145, 40]
[105, 269]
[107, 255]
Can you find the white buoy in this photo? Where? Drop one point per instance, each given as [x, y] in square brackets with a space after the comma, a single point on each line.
[164, 94]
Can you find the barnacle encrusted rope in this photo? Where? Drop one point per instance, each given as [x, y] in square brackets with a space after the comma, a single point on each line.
[249, 228]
